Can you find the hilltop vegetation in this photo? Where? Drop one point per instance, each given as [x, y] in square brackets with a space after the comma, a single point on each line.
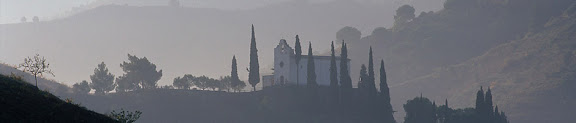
[537, 71]
[523, 49]
[23, 102]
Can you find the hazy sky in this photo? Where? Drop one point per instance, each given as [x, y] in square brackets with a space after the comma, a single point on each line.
[76, 46]
[11, 11]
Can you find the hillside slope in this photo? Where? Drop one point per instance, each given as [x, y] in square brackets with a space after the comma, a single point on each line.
[533, 78]
[51, 86]
[23, 102]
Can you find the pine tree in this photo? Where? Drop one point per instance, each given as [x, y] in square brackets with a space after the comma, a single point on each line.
[102, 80]
[371, 83]
[385, 95]
[345, 80]
[298, 56]
[235, 80]
[333, 71]
[254, 71]
[311, 74]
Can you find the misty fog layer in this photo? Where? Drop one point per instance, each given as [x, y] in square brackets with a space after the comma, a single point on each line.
[180, 40]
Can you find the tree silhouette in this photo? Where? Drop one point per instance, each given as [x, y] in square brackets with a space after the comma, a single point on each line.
[371, 82]
[489, 107]
[419, 110]
[82, 87]
[102, 80]
[35, 19]
[348, 34]
[139, 74]
[240, 86]
[36, 66]
[254, 71]
[345, 80]
[333, 69]
[181, 83]
[385, 95]
[23, 20]
[225, 83]
[212, 83]
[297, 56]
[481, 112]
[202, 82]
[235, 81]
[311, 74]
[363, 79]
[404, 14]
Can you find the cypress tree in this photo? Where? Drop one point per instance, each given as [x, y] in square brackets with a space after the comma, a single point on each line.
[479, 100]
[385, 95]
[434, 110]
[235, 81]
[497, 117]
[362, 84]
[503, 117]
[311, 81]
[489, 106]
[333, 71]
[298, 56]
[254, 71]
[371, 83]
[345, 80]
[481, 112]
[446, 112]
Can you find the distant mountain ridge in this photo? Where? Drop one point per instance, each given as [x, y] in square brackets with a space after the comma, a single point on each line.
[523, 50]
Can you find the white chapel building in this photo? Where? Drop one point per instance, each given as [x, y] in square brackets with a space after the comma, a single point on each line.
[285, 67]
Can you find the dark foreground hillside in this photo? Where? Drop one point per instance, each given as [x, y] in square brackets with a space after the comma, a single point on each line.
[271, 105]
[23, 102]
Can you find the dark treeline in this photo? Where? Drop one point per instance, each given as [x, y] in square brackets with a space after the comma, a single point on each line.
[422, 110]
[139, 74]
[339, 102]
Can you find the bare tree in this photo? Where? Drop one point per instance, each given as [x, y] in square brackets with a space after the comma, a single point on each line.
[36, 66]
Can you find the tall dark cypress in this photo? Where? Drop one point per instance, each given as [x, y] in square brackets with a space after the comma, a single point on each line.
[481, 112]
[479, 100]
[504, 118]
[447, 113]
[297, 56]
[497, 116]
[385, 95]
[345, 80]
[333, 71]
[235, 81]
[362, 84]
[311, 71]
[489, 106]
[254, 71]
[371, 82]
